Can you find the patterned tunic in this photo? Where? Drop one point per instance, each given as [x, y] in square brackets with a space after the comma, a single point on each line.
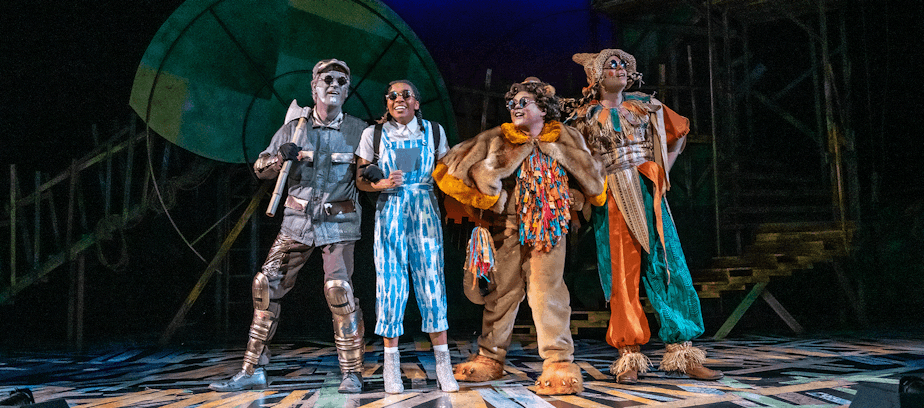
[636, 237]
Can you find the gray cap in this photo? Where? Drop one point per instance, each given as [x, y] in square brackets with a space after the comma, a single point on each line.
[327, 65]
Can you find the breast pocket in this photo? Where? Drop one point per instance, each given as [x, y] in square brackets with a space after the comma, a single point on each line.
[340, 164]
[303, 169]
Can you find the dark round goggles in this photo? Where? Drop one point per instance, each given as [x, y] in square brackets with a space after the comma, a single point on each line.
[522, 103]
[329, 79]
[406, 94]
[614, 64]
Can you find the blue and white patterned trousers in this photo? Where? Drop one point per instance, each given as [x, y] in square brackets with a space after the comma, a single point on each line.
[408, 236]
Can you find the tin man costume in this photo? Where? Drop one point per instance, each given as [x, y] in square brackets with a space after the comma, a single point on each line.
[321, 212]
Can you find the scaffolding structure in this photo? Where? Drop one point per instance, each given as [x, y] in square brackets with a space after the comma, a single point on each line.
[697, 57]
[712, 76]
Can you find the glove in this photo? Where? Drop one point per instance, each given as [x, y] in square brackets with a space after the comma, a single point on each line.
[289, 151]
[372, 173]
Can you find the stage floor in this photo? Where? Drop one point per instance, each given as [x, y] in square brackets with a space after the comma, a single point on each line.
[759, 372]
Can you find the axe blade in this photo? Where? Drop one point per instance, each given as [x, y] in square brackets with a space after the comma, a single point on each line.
[296, 112]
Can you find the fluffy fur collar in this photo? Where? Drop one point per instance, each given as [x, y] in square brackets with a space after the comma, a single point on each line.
[550, 133]
[472, 171]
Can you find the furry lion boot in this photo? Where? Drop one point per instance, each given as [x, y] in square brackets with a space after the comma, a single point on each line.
[560, 379]
[479, 368]
[686, 359]
[631, 363]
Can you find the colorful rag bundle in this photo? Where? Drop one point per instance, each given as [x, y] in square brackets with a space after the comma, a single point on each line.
[543, 201]
[479, 259]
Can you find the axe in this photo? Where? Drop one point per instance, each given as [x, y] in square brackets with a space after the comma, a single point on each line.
[294, 111]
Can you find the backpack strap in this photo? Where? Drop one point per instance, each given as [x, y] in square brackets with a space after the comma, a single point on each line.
[437, 139]
[376, 142]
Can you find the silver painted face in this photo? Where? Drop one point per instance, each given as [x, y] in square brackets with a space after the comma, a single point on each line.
[331, 88]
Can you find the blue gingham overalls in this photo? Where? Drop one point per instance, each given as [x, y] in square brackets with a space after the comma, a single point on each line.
[408, 235]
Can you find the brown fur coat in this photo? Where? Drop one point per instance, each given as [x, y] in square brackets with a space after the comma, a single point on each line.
[473, 171]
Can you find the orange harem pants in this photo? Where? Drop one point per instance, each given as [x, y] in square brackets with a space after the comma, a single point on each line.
[664, 272]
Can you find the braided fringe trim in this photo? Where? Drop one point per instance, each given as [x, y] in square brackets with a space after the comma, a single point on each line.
[630, 359]
[479, 258]
[682, 356]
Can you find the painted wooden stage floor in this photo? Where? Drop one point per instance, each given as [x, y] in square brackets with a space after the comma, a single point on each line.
[759, 372]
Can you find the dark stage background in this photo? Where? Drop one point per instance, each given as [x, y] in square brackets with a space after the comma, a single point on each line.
[67, 66]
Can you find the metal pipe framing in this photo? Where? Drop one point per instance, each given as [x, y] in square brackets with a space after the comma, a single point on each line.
[853, 182]
[63, 234]
[53, 220]
[675, 96]
[129, 164]
[833, 132]
[12, 225]
[748, 109]
[79, 307]
[107, 196]
[730, 111]
[819, 110]
[36, 221]
[24, 231]
[484, 105]
[692, 90]
[715, 154]
[72, 293]
[730, 132]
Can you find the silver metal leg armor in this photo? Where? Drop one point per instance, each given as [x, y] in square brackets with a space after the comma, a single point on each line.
[263, 326]
[349, 328]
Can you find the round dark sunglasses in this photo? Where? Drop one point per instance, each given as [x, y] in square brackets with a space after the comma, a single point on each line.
[617, 64]
[406, 94]
[329, 79]
[522, 103]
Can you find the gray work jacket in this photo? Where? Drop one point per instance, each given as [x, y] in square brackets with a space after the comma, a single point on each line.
[326, 176]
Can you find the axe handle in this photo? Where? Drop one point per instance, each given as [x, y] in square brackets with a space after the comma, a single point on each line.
[283, 174]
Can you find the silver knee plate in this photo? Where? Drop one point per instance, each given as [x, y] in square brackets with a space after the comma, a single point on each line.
[339, 296]
[261, 295]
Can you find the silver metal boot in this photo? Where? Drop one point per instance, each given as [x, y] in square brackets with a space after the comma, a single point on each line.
[242, 381]
[351, 383]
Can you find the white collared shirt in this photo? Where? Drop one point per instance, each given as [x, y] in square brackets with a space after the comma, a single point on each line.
[334, 124]
[398, 132]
